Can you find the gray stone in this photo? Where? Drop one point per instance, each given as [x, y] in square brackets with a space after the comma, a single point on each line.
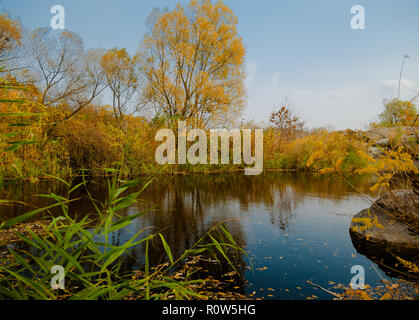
[383, 143]
[403, 204]
[385, 230]
[376, 134]
[375, 152]
[391, 221]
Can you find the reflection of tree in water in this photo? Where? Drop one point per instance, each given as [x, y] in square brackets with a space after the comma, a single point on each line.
[180, 216]
[184, 208]
[284, 207]
[187, 206]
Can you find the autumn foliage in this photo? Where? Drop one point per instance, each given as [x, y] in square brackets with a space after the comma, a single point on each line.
[10, 37]
[398, 113]
[189, 66]
[192, 64]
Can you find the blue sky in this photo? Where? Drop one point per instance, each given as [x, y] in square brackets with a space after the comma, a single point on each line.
[303, 50]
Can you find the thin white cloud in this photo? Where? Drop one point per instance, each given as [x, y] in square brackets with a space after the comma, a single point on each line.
[342, 108]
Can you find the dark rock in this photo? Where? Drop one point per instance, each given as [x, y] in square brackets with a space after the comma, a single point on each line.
[403, 204]
[383, 229]
[392, 221]
[386, 258]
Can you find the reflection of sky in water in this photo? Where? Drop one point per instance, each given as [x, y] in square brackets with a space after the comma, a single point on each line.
[295, 227]
[292, 237]
[316, 246]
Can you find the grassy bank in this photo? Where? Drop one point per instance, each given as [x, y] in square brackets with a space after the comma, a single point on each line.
[95, 266]
[37, 142]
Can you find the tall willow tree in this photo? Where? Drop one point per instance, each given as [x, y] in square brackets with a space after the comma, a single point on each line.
[63, 71]
[192, 64]
[121, 78]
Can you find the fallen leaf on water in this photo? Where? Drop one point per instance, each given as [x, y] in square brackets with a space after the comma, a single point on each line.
[261, 269]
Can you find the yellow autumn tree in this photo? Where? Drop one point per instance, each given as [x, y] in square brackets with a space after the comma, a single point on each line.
[121, 78]
[398, 113]
[10, 30]
[192, 64]
[10, 39]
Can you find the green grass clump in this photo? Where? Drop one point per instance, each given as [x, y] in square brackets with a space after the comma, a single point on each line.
[94, 266]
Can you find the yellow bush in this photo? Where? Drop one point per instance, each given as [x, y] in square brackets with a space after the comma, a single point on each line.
[318, 151]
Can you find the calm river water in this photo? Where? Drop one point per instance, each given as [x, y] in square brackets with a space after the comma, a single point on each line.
[295, 227]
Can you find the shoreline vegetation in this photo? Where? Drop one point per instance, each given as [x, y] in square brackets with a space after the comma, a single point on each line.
[53, 126]
[94, 264]
[35, 146]
[168, 173]
[186, 281]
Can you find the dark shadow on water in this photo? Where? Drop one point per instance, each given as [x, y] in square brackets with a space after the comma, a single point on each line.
[385, 257]
[294, 224]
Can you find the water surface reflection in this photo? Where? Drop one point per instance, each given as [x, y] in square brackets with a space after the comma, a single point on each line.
[294, 226]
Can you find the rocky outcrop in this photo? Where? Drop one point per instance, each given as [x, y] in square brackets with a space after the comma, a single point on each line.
[379, 133]
[375, 134]
[403, 204]
[392, 221]
[380, 138]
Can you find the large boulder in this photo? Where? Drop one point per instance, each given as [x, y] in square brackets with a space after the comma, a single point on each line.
[376, 134]
[381, 136]
[379, 139]
[383, 143]
[387, 259]
[392, 221]
[402, 204]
